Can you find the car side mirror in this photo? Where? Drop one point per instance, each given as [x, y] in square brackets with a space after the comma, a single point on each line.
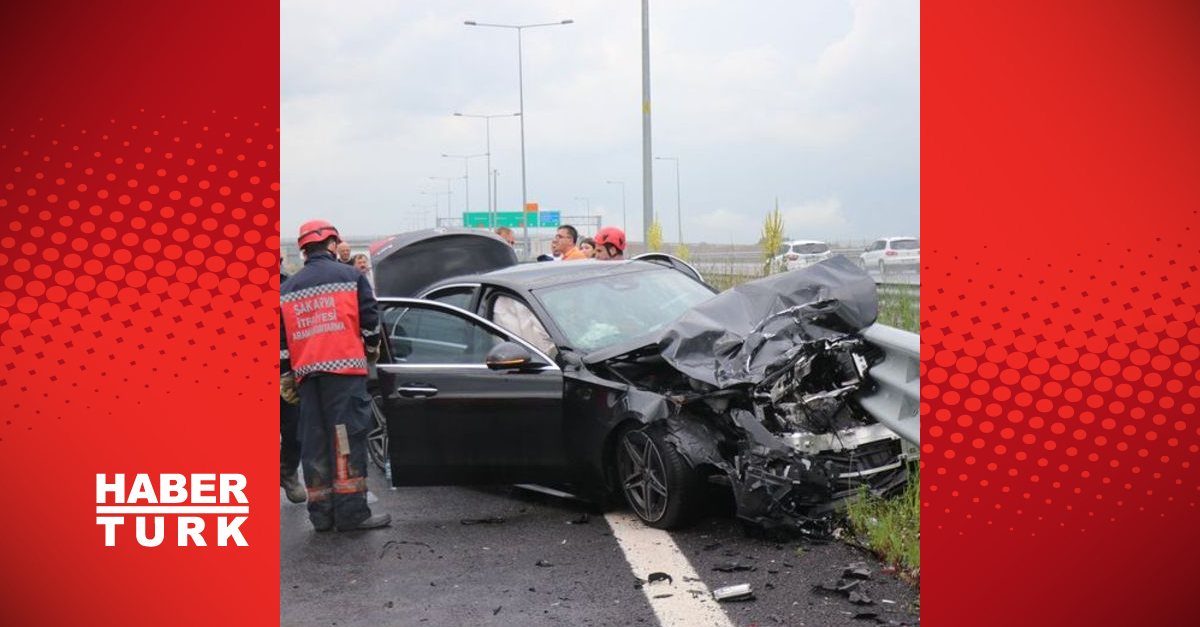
[511, 356]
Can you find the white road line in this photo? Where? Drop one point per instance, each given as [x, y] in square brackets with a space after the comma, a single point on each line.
[649, 550]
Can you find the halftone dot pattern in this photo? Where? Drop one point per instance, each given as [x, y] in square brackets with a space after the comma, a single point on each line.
[124, 268]
[1060, 397]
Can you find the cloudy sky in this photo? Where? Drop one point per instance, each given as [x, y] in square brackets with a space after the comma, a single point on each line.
[813, 102]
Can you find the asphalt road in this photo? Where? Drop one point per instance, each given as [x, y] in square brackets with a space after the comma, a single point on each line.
[522, 563]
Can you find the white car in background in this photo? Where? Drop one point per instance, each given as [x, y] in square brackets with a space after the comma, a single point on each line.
[801, 253]
[891, 255]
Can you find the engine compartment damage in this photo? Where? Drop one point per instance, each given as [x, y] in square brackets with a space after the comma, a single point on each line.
[762, 379]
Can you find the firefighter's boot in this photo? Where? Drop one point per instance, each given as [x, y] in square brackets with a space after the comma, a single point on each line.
[292, 487]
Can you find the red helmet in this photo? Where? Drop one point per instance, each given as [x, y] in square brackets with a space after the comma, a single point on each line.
[317, 231]
[611, 235]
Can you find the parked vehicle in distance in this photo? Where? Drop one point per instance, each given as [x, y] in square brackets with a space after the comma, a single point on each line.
[801, 253]
[891, 255]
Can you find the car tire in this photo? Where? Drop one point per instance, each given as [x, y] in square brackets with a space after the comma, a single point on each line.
[377, 437]
[656, 481]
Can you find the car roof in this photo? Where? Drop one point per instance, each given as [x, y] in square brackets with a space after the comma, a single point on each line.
[892, 239]
[805, 241]
[538, 275]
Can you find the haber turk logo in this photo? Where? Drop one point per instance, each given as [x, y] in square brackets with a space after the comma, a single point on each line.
[191, 501]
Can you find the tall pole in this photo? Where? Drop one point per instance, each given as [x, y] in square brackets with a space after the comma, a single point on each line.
[647, 160]
[466, 177]
[487, 119]
[449, 195]
[521, 111]
[487, 125]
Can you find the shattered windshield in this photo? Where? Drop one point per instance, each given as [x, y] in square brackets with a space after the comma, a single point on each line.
[606, 310]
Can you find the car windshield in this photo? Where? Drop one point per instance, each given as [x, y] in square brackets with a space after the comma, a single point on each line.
[811, 249]
[606, 310]
[906, 244]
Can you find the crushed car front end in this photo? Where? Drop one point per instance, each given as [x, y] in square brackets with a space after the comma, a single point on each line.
[760, 388]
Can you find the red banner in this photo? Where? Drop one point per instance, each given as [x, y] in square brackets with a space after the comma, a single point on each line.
[1059, 331]
[139, 169]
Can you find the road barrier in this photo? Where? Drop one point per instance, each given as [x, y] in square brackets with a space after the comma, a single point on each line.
[895, 400]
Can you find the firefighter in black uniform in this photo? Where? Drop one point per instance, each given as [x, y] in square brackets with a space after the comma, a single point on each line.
[330, 330]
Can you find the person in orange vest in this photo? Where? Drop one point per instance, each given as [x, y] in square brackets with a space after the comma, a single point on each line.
[563, 245]
[610, 244]
[330, 331]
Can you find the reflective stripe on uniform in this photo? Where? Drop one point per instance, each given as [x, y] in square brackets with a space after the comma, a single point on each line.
[351, 485]
[335, 366]
[318, 290]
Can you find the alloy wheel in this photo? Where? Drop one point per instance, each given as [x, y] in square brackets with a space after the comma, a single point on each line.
[643, 475]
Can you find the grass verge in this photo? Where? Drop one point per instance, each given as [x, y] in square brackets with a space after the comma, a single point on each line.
[901, 311]
[891, 527]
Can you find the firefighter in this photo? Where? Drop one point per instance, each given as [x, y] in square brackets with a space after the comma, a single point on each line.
[330, 331]
[610, 244]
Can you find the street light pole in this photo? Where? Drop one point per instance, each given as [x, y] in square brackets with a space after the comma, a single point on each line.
[487, 120]
[437, 203]
[449, 194]
[420, 217]
[624, 220]
[678, 204]
[647, 162]
[521, 111]
[466, 177]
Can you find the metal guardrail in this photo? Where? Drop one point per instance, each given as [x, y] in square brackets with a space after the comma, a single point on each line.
[896, 400]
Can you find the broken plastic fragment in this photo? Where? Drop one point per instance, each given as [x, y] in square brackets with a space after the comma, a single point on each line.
[739, 592]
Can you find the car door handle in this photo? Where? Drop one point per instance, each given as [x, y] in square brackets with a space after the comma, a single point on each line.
[417, 390]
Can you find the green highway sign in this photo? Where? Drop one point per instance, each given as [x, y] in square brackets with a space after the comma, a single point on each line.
[511, 219]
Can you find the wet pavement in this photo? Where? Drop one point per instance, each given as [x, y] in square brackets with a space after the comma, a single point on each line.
[520, 561]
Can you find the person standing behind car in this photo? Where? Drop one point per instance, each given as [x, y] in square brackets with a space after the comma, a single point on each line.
[587, 246]
[289, 445]
[330, 330]
[563, 244]
[610, 244]
[343, 254]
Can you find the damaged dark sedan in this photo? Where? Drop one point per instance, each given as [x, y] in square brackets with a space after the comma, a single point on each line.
[631, 378]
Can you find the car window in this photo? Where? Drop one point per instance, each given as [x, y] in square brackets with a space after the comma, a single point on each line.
[433, 336]
[609, 309]
[879, 245]
[515, 316]
[455, 296]
[906, 244]
[784, 249]
[814, 248]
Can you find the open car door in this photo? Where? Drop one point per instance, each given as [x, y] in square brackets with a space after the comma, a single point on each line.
[453, 419]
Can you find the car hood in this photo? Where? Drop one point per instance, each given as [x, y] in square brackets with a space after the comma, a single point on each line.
[744, 334]
[406, 264]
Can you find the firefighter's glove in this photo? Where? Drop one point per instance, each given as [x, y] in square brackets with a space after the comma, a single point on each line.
[372, 353]
[287, 389]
